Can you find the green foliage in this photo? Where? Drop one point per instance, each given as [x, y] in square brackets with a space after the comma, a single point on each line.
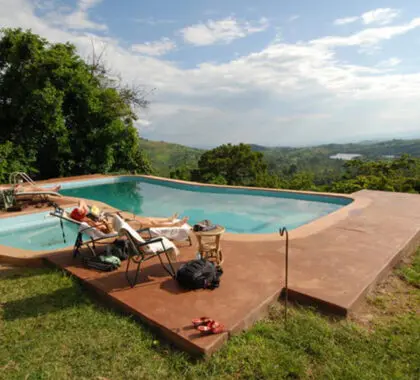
[233, 165]
[301, 169]
[182, 172]
[302, 180]
[411, 273]
[63, 113]
[401, 175]
[14, 159]
[171, 160]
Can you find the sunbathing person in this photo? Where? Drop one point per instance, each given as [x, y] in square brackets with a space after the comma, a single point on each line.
[93, 217]
[172, 221]
[19, 188]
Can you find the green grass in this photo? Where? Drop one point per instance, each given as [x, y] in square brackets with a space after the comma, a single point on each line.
[50, 329]
[411, 273]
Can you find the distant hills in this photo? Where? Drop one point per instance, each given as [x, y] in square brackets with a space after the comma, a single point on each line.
[166, 157]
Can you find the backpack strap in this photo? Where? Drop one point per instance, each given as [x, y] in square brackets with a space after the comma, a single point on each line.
[215, 283]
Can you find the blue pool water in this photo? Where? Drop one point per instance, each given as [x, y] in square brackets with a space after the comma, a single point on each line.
[239, 210]
[36, 232]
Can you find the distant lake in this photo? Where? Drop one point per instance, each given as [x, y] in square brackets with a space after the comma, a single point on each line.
[345, 156]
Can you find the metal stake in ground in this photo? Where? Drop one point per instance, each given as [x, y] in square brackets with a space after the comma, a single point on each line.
[283, 231]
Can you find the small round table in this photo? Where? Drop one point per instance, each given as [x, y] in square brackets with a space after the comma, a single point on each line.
[209, 244]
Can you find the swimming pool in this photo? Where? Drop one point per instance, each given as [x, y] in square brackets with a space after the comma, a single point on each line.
[239, 210]
[36, 232]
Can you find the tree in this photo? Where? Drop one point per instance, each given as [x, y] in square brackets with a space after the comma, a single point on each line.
[401, 174]
[13, 159]
[233, 165]
[64, 113]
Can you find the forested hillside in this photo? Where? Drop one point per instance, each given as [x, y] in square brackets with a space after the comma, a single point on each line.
[166, 157]
[311, 162]
[240, 165]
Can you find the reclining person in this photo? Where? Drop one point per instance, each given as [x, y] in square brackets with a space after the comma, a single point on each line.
[32, 188]
[93, 217]
[172, 221]
[172, 228]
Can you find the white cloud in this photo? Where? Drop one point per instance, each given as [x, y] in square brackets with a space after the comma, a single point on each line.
[310, 116]
[77, 19]
[381, 16]
[293, 18]
[346, 20]
[285, 93]
[389, 63]
[369, 37]
[155, 48]
[225, 31]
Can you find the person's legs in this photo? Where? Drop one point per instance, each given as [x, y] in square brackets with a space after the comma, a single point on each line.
[167, 223]
[33, 188]
[171, 219]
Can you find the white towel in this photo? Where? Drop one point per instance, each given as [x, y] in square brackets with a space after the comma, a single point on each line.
[150, 248]
[174, 233]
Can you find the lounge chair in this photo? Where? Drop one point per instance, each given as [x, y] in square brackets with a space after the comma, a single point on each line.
[90, 236]
[93, 234]
[7, 198]
[143, 250]
[9, 195]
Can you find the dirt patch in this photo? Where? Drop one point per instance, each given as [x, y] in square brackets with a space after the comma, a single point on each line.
[390, 298]
[9, 270]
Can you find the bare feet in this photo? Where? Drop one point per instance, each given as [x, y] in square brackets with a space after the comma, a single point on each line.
[174, 217]
[181, 222]
[56, 188]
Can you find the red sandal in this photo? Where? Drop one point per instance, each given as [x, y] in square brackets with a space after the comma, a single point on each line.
[212, 327]
[201, 321]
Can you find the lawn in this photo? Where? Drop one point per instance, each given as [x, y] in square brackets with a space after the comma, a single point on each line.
[51, 329]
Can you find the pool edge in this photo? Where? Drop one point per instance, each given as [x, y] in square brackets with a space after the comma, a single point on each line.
[358, 202]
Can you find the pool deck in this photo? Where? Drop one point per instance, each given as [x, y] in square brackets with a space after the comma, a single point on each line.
[333, 263]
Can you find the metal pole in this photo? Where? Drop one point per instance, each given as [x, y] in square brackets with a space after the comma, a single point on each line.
[283, 231]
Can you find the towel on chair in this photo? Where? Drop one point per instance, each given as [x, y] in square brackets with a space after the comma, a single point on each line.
[149, 248]
[180, 233]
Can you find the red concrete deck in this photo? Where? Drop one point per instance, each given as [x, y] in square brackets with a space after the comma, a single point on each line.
[332, 268]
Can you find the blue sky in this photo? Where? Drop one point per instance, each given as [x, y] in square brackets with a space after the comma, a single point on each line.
[297, 72]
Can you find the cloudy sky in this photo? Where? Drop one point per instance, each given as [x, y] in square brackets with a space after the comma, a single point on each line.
[267, 72]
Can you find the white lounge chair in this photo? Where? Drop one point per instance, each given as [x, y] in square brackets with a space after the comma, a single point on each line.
[93, 234]
[143, 250]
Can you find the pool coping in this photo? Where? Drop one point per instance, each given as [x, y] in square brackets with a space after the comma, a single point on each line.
[357, 204]
[19, 256]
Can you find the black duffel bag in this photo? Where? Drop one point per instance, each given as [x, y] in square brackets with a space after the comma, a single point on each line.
[199, 274]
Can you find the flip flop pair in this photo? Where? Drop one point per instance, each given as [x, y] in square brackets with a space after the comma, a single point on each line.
[208, 326]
